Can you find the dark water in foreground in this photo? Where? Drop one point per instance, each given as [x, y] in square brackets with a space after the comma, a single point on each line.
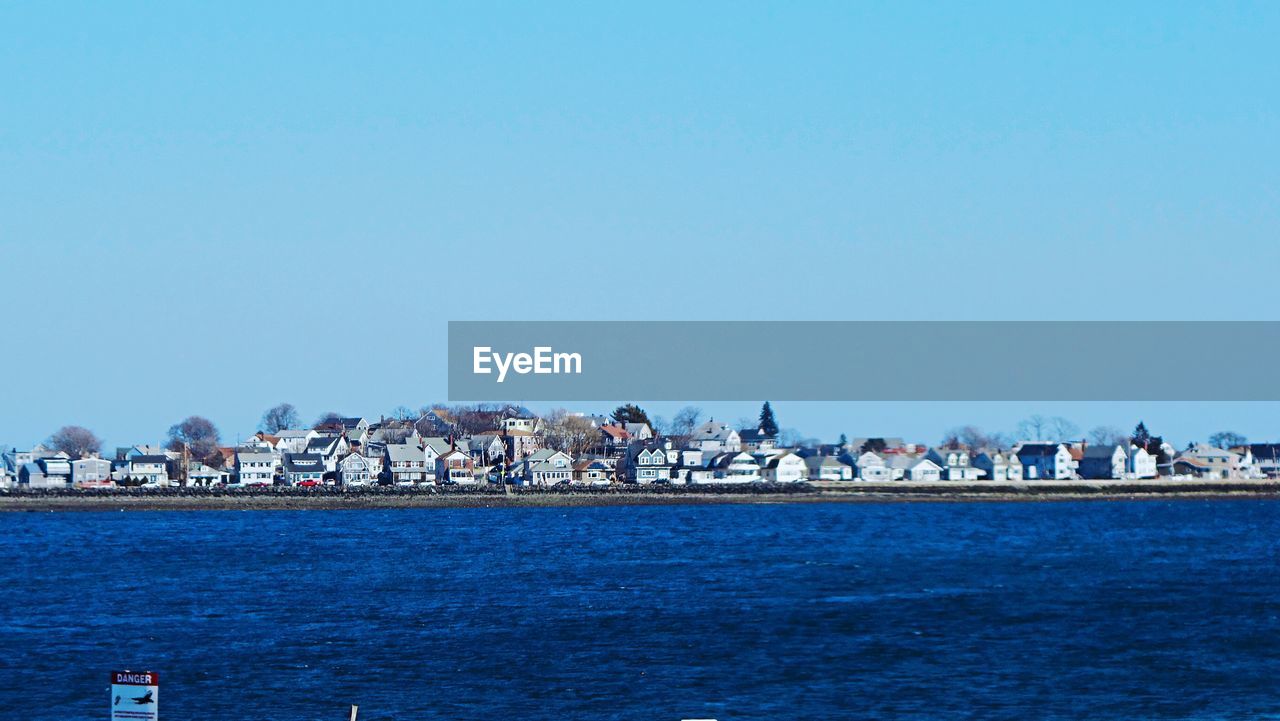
[1129, 610]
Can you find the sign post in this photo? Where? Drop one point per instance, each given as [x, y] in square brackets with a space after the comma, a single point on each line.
[135, 696]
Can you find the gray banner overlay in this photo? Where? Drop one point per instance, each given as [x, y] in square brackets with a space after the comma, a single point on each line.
[865, 360]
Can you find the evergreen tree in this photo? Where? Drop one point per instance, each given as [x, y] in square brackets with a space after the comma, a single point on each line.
[768, 424]
[629, 413]
[844, 440]
[1141, 437]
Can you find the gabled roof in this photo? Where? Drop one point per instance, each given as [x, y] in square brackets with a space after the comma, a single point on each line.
[1038, 449]
[404, 452]
[615, 432]
[755, 435]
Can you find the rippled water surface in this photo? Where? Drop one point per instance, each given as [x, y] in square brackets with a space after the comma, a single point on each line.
[1121, 610]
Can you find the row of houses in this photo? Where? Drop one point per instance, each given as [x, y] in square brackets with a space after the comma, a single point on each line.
[354, 452]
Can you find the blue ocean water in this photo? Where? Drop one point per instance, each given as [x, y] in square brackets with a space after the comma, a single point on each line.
[1099, 610]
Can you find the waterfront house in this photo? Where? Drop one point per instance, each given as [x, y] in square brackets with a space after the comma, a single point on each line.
[1266, 458]
[202, 475]
[1046, 461]
[872, 467]
[905, 467]
[735, 467]
[956, 464]
[455, 467]
[543, 467]
[432, 449]
[1140, 463]
[354, 470]
[1206, 461]
[329, 447]
[650, 461]
[255, 468]
[148, 468]
[405, 463]
[92, 471]
[714, 437]
[303, 467]
[1103, 462]
[828, 468]
[784, 467]
[999, 465]
[46, 473]
[593, 472]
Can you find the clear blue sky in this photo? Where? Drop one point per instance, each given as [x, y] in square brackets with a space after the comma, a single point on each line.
[213, 208]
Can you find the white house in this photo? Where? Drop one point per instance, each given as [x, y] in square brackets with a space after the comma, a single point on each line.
[1046, 461]
[872, 467]
[956, 464]
[1142, 464]
[715, 437]
[294, 441]
[735, 467]
[828, 468]
[999, 465]
[913, 468]
[255, 468]
[783, 468]
[354, 470]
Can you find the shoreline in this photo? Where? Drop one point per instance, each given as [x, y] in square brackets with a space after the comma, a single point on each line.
[830, 492]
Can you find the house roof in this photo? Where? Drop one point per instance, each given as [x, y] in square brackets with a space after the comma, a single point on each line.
[150, 459]
[755, 435]
[255, 457]
[1038, 449]
[615, 432]
[1105, 452]
[303, 462]
[712, 430]
[404, 452]
[1265, 450]
[290, 433]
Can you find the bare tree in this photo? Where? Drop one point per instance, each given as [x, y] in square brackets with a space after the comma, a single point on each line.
[75, 441]
[1063, 429]
[684, 423]
[969, 436]
[402, 413]
[570, 433]
[198, 436]
[280, 418]
[1033, 428]
[1108, 436]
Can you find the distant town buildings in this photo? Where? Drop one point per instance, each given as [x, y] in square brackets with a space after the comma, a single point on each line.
[515, 446]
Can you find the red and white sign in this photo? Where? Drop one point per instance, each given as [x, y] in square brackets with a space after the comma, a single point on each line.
[135, 696]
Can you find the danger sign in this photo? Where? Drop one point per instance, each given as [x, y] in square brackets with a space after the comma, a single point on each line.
[135, 695]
